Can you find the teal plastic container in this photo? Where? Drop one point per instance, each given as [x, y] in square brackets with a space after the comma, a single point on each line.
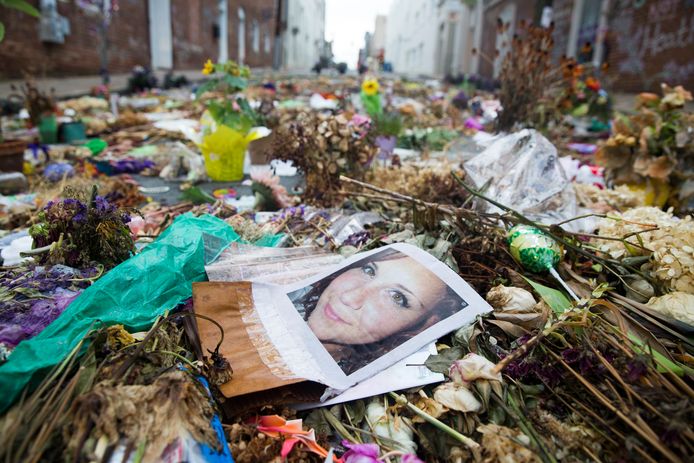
[72, 132]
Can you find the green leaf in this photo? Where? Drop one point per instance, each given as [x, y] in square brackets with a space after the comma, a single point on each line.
[235, 82]
[442, 362]
[356, 411]
[197, 196]
[206, 87]
[2, 31]
[22, 6]
[663, 364]
[316, 420]
[555, 299]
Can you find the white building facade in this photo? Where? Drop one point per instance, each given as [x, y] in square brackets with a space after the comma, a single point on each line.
[378, 39]
[303, 39]
[433, 37]
[411, 36]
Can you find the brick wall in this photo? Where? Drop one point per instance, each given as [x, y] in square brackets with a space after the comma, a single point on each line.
[647, 42]
[193, 25]
[262, 11]
[192, 28]
[22, 51]
[651, 44]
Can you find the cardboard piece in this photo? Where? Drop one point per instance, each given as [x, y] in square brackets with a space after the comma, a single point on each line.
[223, 302]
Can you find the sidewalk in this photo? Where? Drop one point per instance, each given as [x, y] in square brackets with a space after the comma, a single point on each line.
[66, 87]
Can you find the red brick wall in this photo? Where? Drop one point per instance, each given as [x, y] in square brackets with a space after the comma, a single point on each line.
[192, 27]
[79, 55]
[651, 44]
[264, 12]
[525, 10]
[647, 42]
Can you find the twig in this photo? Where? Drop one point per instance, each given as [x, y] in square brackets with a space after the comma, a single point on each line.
[642, 428]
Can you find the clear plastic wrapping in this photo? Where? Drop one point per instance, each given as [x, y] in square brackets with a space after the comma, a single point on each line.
[522, 171]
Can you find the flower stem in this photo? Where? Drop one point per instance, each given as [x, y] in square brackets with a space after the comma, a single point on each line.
[471, 444]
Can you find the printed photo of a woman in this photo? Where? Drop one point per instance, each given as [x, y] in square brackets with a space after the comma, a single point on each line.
[372, 306]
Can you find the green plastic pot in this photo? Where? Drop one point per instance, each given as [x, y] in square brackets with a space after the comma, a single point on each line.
[48, 129]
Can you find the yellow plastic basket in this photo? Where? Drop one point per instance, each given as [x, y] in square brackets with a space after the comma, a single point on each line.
[224, 151]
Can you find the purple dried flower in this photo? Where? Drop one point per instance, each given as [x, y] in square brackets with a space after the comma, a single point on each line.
[571, 356]
[549, 374]
[635, 370]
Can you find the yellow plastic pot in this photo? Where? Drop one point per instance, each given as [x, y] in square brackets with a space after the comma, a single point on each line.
[224, 151]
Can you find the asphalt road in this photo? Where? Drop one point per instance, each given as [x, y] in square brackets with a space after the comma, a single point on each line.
[173, 195]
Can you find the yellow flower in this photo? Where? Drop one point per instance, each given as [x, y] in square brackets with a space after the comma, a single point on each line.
[208, 68]
[370, 87]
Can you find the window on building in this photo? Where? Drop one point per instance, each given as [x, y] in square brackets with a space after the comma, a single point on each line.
[241, 36]
[255, 34]
[266, 43]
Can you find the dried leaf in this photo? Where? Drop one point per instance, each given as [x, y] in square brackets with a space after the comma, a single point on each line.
[442, 362]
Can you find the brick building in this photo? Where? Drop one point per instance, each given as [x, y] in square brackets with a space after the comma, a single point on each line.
[162, 34]
[643, 43]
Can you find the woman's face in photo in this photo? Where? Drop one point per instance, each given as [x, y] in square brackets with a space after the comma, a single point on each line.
[369, 303]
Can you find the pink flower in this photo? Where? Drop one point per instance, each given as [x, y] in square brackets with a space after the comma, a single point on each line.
[410, 458]
[368, 453]
[279, 193]
[360, 453]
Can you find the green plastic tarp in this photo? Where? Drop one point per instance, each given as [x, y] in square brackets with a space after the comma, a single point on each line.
[133, 294]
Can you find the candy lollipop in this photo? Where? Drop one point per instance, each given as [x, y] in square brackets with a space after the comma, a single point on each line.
[536, 251]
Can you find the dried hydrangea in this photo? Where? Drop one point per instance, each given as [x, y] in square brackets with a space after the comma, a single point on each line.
[604, 199]
[323, 148]
[432, 183]
[672, 261]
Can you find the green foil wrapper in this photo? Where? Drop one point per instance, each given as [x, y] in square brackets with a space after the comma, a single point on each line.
[533, 249]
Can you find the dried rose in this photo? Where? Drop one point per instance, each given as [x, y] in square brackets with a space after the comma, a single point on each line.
[472, 367]
[457, 397]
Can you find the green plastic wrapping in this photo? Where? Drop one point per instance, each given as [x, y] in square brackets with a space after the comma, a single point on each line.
[133, 294]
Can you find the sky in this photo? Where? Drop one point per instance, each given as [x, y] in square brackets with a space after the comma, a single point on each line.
[346, 22]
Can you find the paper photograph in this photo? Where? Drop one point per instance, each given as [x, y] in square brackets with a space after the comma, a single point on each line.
[368, 308]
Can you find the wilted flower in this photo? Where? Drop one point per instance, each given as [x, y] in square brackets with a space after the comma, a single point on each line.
[473, 367]
[675, 97]
[593, 83]
[271, 184]
[457, 397]
[646, 99]
[394, 428]
[410, 458]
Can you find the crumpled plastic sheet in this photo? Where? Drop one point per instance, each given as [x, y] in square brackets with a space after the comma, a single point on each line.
[345, 226]
[133, 294]
[465, 148]
[522, 171]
